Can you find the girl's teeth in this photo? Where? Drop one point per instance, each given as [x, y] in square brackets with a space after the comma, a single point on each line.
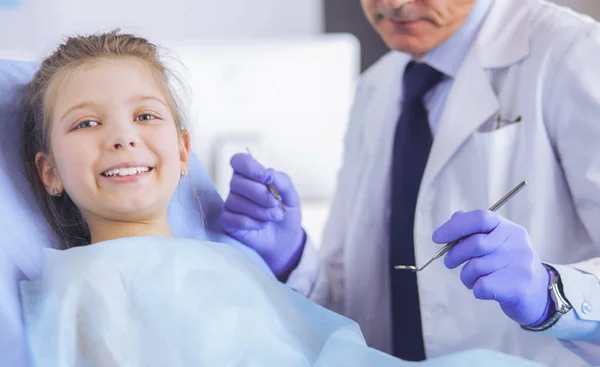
[126, 171]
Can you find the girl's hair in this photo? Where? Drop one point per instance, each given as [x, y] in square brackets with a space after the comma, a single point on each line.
[60, 211]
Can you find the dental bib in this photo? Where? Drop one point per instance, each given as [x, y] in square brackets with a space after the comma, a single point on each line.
[161, 301]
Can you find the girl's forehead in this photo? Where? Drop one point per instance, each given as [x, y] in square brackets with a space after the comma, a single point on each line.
[109, 78]
[104, 82]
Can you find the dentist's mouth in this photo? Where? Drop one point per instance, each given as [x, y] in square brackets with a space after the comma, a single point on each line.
[406, 23]
[126, 172]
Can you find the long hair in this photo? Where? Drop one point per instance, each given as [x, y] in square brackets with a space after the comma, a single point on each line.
[62, 214]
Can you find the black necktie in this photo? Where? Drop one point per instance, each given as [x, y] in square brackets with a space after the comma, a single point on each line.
[412, 144]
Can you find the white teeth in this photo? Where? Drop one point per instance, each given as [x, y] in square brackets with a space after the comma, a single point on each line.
[126, 171]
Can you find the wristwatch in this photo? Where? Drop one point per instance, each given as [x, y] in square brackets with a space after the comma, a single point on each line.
[560, 302]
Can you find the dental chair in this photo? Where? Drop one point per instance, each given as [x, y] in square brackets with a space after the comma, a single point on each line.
[193, 213]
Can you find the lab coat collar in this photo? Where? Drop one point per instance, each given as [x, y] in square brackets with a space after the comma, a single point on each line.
[471, 103]
[449, 56]
[502, 41]
[504, 37]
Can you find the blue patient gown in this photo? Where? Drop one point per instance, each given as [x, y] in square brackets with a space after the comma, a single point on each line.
[160, 301]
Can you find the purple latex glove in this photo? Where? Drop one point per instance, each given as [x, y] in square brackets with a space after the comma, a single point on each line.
[500, 264]
[254, 217]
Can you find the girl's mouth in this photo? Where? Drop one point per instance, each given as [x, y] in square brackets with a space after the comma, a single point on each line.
[124, 172]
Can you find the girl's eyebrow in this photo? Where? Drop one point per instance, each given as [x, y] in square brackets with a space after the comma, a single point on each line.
[77, 107]
[142, 98]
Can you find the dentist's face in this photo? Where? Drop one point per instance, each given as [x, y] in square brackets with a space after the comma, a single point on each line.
[416, 26]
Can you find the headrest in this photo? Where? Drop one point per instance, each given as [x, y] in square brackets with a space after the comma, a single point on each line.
[24, 231]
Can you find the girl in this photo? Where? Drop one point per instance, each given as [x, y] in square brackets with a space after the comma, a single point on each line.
[104, 146]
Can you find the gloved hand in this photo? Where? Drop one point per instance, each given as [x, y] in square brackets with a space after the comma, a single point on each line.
[500, 264]
[254, 217]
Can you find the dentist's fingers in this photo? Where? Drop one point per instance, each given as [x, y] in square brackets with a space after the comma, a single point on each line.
[240, 205]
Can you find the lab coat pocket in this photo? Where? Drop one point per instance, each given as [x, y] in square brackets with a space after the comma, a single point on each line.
[498, 137]
[494, 154]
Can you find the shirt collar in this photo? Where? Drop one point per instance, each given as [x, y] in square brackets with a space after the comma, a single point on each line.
[449, 56]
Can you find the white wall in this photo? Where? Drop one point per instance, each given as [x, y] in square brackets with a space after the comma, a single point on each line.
[34, 26]
[591, 7]
[287, 99]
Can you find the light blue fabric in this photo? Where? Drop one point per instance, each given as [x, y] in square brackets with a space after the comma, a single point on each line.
[582, 322]
[582, 290]
[448, 58]
[24, 231]
[22, 226]
[160, 301]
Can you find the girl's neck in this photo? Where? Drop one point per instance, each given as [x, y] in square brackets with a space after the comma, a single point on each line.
[105, 230]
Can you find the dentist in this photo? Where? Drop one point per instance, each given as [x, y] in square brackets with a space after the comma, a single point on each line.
[474, 97]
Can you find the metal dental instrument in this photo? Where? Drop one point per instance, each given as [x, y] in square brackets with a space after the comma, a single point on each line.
[448, 246]
[271, 188]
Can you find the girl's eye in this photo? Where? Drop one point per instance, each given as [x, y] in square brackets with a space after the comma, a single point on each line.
[145, 117]
[86, 124]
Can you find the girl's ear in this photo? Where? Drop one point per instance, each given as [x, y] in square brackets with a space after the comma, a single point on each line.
[48, 174]
[184, 148]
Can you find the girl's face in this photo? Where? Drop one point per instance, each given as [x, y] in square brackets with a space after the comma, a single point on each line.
[115, 148]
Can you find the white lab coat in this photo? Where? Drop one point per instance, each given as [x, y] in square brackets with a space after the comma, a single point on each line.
[531, 59]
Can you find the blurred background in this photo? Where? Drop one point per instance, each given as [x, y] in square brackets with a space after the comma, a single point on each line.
[276, 76]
